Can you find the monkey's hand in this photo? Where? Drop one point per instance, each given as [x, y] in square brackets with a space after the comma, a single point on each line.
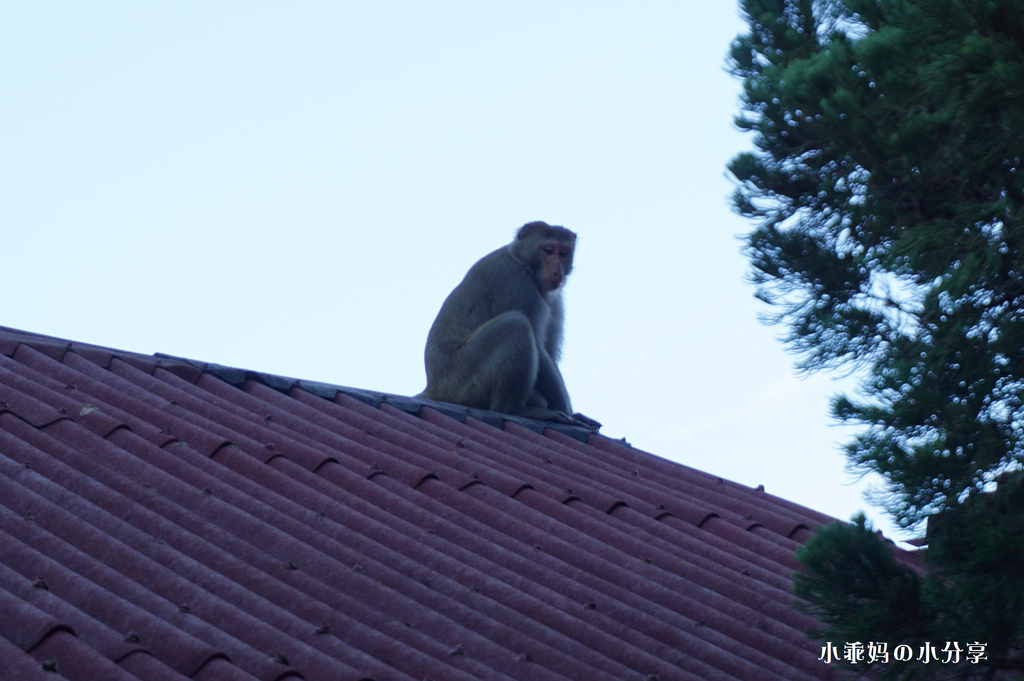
[579, 419]
[545, 414]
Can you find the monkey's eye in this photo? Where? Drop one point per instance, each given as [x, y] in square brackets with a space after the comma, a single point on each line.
[549, 250]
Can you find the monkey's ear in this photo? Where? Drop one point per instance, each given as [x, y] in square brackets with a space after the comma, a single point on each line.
[531, 227]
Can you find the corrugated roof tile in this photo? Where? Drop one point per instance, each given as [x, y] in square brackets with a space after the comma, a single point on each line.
[163, 518]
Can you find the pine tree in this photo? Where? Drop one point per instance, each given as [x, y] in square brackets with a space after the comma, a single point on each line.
[888, 192]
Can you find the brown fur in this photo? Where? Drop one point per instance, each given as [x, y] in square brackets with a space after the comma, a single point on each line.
[497, 339]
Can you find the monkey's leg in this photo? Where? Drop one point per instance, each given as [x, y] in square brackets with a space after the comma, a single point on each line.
[498, 364]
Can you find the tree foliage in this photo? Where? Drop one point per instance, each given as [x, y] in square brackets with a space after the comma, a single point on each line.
[971, 592]
[889, 194]
[887, 187]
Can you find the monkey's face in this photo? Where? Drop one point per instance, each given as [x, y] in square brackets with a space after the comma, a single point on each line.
[555, 263]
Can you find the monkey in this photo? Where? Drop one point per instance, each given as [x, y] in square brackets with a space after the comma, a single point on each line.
[497, 339]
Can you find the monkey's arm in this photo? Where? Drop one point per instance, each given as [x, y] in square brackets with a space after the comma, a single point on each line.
[551, 387]
[550, 384]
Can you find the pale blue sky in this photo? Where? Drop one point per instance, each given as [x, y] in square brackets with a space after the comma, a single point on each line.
[294, 187]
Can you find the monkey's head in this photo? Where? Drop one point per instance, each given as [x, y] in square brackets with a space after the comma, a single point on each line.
[546, 251]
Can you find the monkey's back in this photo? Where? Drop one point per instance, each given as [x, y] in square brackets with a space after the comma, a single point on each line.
[482, 295]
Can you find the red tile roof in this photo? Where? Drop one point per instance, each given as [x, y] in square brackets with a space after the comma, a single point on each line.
[167, 519]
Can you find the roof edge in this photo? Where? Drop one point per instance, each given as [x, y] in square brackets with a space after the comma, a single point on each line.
[10, 338]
